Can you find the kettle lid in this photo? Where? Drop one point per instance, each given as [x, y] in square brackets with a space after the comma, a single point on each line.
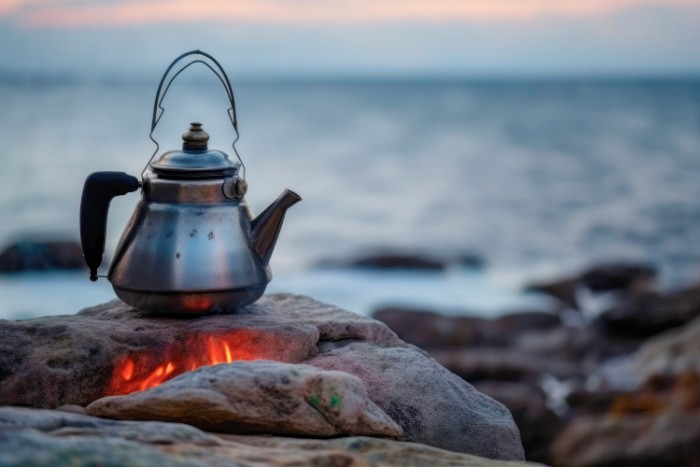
[195, 160]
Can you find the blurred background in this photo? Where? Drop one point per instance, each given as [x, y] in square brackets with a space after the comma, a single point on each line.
[526, 138]
[513, 185]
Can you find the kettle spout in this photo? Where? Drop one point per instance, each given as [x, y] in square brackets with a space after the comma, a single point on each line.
[266, 227]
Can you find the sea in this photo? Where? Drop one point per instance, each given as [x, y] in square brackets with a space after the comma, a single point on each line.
[538, 177]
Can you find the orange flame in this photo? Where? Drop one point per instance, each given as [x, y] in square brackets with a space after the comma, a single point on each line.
[146, 369]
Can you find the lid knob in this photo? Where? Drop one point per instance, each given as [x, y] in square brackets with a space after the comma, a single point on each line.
[195, 137]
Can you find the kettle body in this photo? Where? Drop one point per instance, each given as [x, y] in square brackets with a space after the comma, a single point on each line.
[192, 245]
[187, 248]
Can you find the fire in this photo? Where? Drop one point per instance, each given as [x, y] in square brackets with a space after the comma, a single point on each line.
[197, 302]
[146, 369]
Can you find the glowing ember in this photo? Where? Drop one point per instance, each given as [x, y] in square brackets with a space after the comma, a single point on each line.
[146, 369]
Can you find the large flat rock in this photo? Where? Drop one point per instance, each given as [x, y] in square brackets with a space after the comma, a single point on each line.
[35, 437]
[257, 397]
[113, 349]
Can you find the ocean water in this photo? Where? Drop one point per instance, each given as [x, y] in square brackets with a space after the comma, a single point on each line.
[537, 177]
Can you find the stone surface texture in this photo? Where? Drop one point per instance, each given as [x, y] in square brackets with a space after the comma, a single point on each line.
[413, 390]
[654, 422]
[504, 364]
[36, 437]
[645, 440]
[650, 313]
[625, 278]
[428, 330]
[57, 360]
[549, 368]
[54, 361]
[672, 352]
[257, 397]
[538, 423]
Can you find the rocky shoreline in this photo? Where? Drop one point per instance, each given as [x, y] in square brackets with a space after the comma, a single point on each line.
[617, 386]
[608, 376]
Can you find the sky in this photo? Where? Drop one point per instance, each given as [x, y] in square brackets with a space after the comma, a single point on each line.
[273, 38]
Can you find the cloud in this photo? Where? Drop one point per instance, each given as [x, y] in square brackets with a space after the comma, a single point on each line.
[114, 13]
[647, 40]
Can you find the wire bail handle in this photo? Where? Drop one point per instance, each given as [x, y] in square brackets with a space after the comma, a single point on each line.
[218, 70]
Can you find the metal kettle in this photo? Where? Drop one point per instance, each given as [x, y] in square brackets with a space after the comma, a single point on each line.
[192, 245]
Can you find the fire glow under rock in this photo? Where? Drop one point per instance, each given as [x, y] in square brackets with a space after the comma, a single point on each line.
[113, 349]
[147, 369]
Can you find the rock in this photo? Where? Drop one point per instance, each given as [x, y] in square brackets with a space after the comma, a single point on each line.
[36, 255]
[622, 277]
[651, 313]
[428, 330]
[587, 346]
[537, 423]
[397, 261]
[565, 342]
[672, 352]
[618, 276]
[34, 448]
[655, 424]
[379, 452]
[332, 323]
[671, 439]
[71, 424]
[257, 397]
[610, 382]
[513, 324]
[668, 393]
[44, 437]
[591, 402]
[388, 260]
[432, 405]
[72, 408]
[113, 349]
[563, 290]
[478, 364]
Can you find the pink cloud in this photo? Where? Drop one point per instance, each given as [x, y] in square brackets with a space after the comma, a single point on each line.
[66, 13]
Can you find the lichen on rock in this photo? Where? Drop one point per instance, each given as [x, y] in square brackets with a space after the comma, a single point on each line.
[257, 397]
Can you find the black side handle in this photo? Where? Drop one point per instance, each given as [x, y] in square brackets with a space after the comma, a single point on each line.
[98, 191]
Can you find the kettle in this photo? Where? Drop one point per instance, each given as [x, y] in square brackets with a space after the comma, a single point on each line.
[192, 245]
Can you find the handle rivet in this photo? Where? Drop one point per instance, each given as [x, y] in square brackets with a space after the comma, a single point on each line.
[235, 188]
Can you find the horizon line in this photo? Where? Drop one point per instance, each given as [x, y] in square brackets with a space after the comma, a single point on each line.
[59, 77]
